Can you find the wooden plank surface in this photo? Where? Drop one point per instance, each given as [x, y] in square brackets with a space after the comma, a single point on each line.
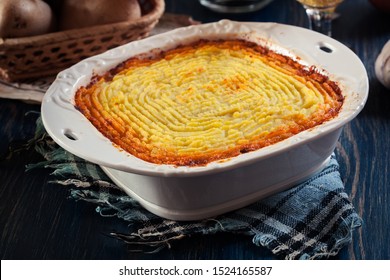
[38, 221]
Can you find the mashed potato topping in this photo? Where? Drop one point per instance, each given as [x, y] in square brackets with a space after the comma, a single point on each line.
[208, 101]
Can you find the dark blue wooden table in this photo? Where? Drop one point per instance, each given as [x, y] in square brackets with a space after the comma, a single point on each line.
[38, 221]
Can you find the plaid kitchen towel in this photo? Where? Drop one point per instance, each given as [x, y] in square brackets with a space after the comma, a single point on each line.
[309, 221]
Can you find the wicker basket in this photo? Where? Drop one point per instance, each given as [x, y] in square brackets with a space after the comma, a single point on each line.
[48, 54]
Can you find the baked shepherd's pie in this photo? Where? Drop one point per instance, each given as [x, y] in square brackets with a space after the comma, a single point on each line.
[207, 101]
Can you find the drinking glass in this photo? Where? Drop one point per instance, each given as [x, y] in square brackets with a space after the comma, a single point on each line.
[234, 6]
[320, 14]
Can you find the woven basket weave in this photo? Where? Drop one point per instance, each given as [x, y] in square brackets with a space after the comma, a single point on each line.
[48, 54]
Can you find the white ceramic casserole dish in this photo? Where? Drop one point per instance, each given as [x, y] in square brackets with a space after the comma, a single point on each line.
[189, 193]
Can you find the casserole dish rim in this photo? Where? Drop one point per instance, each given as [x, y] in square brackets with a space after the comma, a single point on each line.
[59, 97]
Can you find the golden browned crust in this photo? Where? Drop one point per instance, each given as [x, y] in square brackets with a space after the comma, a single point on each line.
[208, 101]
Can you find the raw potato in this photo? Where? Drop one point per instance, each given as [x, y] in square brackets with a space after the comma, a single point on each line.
[22, 18]
[382, 66]
[78, 14]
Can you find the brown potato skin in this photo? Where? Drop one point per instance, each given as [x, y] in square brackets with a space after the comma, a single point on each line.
[23, 18]
[79, 14]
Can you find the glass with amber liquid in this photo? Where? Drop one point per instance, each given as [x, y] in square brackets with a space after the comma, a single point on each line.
[320, 13]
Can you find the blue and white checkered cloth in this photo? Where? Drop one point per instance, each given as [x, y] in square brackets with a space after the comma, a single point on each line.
[309, 221]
